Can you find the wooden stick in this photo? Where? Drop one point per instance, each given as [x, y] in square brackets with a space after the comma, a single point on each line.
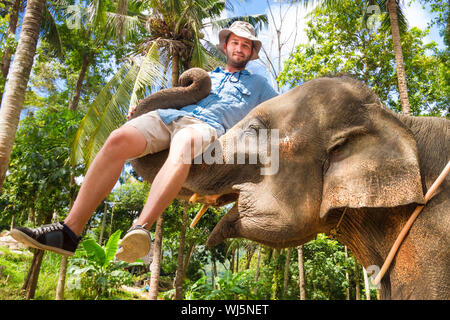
[199, 215]
[409, 223]
[193, 198]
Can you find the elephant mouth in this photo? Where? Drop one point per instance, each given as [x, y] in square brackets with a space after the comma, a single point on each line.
[226, 227]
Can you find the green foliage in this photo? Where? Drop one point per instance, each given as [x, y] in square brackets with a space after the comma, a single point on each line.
[340, 42]
[39, 172]
[325, 267]
[231, 286]
[93, 273]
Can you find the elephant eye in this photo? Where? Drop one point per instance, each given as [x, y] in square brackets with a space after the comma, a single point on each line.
[253, 129]
[334, 149]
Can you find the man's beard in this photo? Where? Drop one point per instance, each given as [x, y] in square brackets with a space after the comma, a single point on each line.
[237, 64]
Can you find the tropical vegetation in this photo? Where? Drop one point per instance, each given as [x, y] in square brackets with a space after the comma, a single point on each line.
[73, 70]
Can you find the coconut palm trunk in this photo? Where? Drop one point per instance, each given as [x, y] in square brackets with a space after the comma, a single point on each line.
[16, 86]
[13, 17]
[401, 76]
[156, 264]
[301, 273]
[179, 275]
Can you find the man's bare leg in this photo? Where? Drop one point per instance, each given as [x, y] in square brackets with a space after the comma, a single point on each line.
[166, 185]
[124, 143]
[171, 176]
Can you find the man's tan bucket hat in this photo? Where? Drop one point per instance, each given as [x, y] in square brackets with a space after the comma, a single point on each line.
[241, 29]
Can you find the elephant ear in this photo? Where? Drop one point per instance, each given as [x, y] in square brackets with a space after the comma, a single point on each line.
[373, 165]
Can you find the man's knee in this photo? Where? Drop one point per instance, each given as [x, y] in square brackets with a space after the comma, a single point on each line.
[125, 142]
[185, 145]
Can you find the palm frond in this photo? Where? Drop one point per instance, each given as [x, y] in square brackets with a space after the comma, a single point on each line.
[386, 22]
[91, 122]
[97, 12]
[213, 55]
[122, 26]
[151, 71]
[259, 21]
[199, 55]
[50, 32]
[107, 112]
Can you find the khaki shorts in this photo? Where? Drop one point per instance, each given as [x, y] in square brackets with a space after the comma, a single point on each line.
[159, 135]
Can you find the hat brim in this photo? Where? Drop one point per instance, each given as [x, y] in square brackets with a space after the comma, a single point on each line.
[223, 34]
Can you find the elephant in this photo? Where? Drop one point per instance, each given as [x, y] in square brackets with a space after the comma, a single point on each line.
[347, 165]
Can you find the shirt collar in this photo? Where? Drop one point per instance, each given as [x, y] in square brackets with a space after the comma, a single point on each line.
[221, 70]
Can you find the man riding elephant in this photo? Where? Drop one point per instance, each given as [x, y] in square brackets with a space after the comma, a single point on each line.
[234, 92]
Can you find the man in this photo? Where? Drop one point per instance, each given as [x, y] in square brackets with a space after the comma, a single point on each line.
[234, 92]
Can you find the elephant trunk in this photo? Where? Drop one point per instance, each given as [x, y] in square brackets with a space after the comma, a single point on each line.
[194, 85]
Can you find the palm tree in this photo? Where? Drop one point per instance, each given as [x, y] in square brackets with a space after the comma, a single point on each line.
[38, 19]
[49, 31]
[179, 274]
[156, 263]
[15, 88]
[393, 7]
[173, 39]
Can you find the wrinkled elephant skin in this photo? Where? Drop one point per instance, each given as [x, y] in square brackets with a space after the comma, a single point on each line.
[340, 148]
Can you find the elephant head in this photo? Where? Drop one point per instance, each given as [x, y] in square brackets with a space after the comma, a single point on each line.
[338, 148]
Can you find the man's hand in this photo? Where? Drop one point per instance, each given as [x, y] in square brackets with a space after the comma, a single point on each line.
[132, 109]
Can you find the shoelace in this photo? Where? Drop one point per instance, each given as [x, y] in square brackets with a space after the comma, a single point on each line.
[48, 228]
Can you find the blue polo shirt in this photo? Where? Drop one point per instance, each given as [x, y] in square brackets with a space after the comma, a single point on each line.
[232, 96]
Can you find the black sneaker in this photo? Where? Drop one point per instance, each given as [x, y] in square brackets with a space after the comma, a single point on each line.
[135, 244]
[56, 237]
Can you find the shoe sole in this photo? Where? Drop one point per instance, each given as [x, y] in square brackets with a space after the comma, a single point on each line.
[30, 242]
[136, 244]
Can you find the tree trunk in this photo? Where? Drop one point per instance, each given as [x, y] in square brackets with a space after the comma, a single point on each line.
[64, 259]
[6, 59]
[286, 272]
[237, 260]
[84, 67]
[357, 289]
[61, 279]
[301, 273]
[366, 284]
[187, 259]
[31, 280]
[232, 261]
[275, 276]
[250, 253]
[347, 290]
[258, 260]
[401, 76]
[156, 264]
[180, 261]
[111, 222]
[17, 84]
[102, 227]
[213, 272]
[175, 69]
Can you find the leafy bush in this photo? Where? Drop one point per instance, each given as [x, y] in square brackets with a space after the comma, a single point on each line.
[240, 285]
[94, 274]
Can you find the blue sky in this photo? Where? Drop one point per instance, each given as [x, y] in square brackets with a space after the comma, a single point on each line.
[416, 16]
